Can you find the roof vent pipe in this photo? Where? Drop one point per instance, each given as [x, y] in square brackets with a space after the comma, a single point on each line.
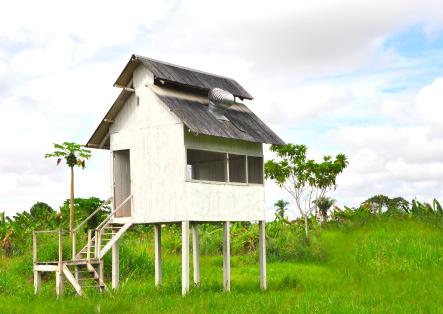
[219, 101]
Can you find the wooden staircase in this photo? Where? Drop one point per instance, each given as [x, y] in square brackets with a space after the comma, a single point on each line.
[84, 271]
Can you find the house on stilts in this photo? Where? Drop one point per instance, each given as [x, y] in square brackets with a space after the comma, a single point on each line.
[184, 149]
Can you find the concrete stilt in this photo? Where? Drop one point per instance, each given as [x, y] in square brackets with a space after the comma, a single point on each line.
[158, 254]
[262, 254]
[195, 254]
[185, 257]
[37, 281]
[226, 257]
[115, 265]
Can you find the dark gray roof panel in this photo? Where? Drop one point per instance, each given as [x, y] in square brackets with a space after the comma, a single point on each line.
[243, 124]
[183, 76]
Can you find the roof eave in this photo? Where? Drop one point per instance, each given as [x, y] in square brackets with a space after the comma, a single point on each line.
[103, 128]
[125, 76]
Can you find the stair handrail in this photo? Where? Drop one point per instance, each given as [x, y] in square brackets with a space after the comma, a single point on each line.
[93, 213]
[114, 212]
[74, 232]
[98, 229]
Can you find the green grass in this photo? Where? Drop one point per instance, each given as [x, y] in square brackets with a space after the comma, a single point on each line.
[386, 265]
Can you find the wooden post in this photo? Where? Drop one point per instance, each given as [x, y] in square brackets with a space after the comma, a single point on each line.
[262, 254]
[88, 251]
[98, 242]
[74, 244]
[59, 283]
[37, 281]
[226, 257]
[101, 274]
[185, 257]
[76, 273]
[158, 254]
[34, 247]
[59, 272]
[37, 274]
[195, 254]
[115, 264]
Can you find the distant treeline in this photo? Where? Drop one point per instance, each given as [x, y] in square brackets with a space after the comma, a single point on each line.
[286, 238]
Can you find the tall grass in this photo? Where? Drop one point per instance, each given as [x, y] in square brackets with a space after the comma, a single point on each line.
[371, 265]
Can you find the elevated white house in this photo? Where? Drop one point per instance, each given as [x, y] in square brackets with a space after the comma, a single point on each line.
[184, 149]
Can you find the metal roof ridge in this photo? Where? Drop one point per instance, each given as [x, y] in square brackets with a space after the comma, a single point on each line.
[183, 67]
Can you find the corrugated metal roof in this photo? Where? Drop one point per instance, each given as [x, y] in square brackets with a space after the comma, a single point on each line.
[180, 76]
[243, 124]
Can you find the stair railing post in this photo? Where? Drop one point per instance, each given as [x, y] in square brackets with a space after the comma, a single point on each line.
[34, 247]
[37, 274]
[59, 272]
[88, 252]
[60, 249]
[74, 243]
[98, 241]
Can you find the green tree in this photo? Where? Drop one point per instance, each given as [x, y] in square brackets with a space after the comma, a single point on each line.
[304, 179]
[83, 207]
[324, 203]
[377, 203]
[280, 210]
[40, 210]
[74, 155]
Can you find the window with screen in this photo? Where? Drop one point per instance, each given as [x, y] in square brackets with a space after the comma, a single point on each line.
[214, 166]
[206, 166]
[237, 168]
[255, 169]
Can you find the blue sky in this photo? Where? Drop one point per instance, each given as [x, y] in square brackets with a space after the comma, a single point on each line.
[354, 77]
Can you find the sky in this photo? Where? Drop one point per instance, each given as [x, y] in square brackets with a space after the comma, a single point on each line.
[363, 78]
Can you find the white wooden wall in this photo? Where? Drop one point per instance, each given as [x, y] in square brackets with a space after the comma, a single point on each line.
[157, 141]
[219, 201]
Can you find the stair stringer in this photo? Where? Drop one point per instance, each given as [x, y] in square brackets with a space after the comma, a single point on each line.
[114, 239]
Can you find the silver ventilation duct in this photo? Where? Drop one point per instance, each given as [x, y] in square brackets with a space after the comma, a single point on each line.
[219, 101]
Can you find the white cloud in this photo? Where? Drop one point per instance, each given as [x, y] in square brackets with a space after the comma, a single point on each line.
[397, 160]
[302, 103]
[429, 105]
[58, 62]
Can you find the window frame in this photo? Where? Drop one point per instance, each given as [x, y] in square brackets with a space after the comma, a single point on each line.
[226, 153]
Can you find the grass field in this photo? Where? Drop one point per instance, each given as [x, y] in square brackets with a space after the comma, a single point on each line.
[386, 265]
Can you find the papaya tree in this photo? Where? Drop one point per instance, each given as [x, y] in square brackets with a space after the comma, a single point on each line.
[304, 179]
[75, 155]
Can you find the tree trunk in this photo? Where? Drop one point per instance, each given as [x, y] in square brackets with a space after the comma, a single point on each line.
[306, 225]
[71, 204]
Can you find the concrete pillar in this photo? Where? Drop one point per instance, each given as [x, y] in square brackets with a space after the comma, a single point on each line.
[115, 265]
[195, 254]
[262, 254]
[185, 257]
[37, 281]
[226, 257]
[158, 254]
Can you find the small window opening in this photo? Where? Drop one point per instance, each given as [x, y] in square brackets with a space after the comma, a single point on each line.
[255, 169]
[206, 166]
[237, 168]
